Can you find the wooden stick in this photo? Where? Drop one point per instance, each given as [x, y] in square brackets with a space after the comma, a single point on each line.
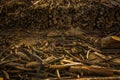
[23, 68]
[28, 52]
[14, 64]
[4, 62]
[37, 51]
[63, 66]
[100, 55]
[33, 64]
[52, 59]
[108, 51]
[88, 70]
[110, 42]
[98, 78]
[89, 78]
[58, 73]
[6, 75]
[1, 53]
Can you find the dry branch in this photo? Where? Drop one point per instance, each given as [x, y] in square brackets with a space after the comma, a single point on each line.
[87, 70]
[110, 42]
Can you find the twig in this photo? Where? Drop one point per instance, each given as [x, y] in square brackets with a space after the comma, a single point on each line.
[68, 53]
[52, 59]
[6, 75]
[4, 51]
[36, 3]
[6, 57]
[37, 51]
[63, 66]
[33, 55]
[111, 59]
[100, 55]
[88, 52]
[90, 47]
[58, 73]
[14, 64]
[23, 68]
[92, 70]
[33, 64]
[4, 62]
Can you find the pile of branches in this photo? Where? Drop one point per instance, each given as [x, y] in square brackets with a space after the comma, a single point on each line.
[102, 16]
[55, 57]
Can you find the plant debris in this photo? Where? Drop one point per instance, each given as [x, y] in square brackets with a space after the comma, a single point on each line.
[63, 39]
[57, 57]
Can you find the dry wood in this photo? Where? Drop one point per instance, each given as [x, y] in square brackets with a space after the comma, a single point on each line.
[58, 73]
[14, 71]
[22, 55]
[110, 42]
[100, 55]
[90, 47]
[108, 51]
[14, 64]
[112, 59]
[87, 70]
[68, 61]
[64, 65]
[97, 78]
[6, 75]
[37, 51]
[9, 55]
[89, 78]
[1, 53]
[4, 62]
[56, 36]
[34, 56]
[23, 68]
[49, 59]
[52, 59]
[32, 64]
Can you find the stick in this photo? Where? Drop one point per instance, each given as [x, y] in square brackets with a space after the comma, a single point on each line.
[4, 62]
[52, 59]
[6, 75]
[63, 66]
[110, 42]
[92, 70]
[14, 64]
[33, 55]
[58, 73]
[23, 68]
